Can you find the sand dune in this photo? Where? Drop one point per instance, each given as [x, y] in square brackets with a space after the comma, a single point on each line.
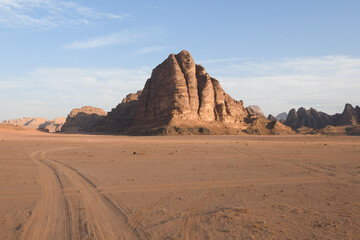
[55, 186]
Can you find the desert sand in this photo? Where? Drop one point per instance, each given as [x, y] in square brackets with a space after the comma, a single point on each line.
[60, 186]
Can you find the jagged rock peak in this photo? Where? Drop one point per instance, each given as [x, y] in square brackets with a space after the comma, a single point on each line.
[181, 90]
[271, 118]
[309, 118]
[281, 116]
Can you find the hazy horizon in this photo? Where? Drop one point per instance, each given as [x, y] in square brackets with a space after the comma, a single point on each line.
[60, 55]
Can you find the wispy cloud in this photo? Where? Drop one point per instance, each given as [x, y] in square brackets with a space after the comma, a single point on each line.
[123, 37]
[150, 49]
[326, 83]
[47, 14]
[222, 60]
[53, 92]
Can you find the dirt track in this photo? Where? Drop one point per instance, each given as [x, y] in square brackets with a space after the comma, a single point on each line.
[215, 187]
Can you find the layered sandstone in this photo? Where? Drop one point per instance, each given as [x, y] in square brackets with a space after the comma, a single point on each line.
[83, 119]
[313, 119]
[179, 90]
[121, 118]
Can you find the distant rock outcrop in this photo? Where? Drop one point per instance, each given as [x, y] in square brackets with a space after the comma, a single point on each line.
[281, 117]
[317, 120]
[38, 123]
[309, 118]
[83, 119]
[350, 116]
[271, 118]
[255, 110]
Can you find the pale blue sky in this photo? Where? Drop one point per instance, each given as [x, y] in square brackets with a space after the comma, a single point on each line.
[59, 55]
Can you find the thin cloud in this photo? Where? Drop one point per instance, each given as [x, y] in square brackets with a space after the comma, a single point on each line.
[222, 60]
[121, 38]
[53, 92]
[24, 14]
[150, 49]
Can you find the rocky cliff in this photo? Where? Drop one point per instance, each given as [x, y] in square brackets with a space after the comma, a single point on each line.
[83, 119]
[313, 119]
[180, 97]
[179, 90]
[121, 118]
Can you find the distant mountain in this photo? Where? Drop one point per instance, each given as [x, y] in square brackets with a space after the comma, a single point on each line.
[37, 123]
[314, 119]
[255, 110]
[281, 116]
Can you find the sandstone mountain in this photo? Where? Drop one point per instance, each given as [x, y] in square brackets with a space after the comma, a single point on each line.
[313, 119]
[281, 116]
[181, 98]
[255, 110]
[120, 118]
[271, 118]
[309, 118]
[83, 119]
[38, 123]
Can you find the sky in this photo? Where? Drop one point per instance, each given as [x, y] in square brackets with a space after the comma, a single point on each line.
[56, 55]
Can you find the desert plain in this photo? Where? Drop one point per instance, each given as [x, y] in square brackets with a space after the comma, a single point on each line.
[62, 186]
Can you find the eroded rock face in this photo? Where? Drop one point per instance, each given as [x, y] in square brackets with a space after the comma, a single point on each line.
[271, 118]
[255, 110]
[122, 117]
[83, 119]
[350, 116]
[309, 118]
[317, 120]
[181, 90]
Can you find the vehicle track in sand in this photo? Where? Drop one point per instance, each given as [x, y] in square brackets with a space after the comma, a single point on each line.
[72, 207]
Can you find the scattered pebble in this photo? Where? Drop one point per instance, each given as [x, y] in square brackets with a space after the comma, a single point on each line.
[134, 152]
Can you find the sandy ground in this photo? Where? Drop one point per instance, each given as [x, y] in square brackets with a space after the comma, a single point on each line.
[55, 186]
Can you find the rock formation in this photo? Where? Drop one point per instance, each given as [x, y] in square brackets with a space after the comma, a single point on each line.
[122, 117]
[281, 117]
[181, 98]
[38, 123]
[313, 119]
[255, 110]
[178, 91]
[271, 118]
[350, 116]
[83, 119]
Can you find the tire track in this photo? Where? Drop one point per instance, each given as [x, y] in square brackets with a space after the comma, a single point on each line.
[84, 214]
[51, 217]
